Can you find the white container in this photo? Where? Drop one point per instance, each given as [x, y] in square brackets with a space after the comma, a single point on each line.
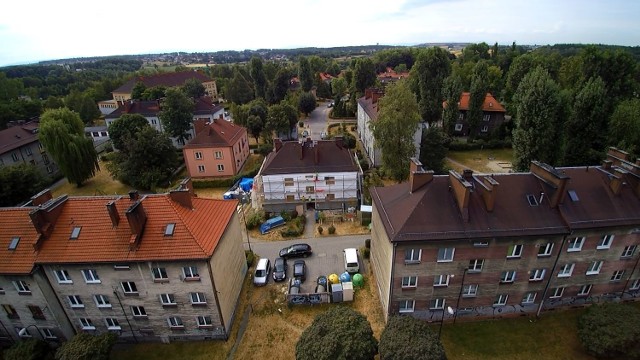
[347, 291]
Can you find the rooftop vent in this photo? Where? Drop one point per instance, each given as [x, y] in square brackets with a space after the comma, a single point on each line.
[14, 243]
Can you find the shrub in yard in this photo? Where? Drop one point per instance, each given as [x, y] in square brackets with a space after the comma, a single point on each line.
[320, 230]
[611, 331]
[332, 229]
[250, 257]
[405, 337]
[367, 243]
[28, 349]
[366, 252]
[255, 219]
[264, 149]
[301, 123]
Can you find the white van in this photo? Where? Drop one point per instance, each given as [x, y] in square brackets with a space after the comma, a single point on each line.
[262, 272]
[351, 264]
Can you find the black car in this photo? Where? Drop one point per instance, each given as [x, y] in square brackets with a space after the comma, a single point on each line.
[296, 250]
[279, 269]
[300, 270]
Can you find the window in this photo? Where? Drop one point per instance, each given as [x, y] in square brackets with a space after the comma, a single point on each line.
[91, 276]
[458, 127]
[470, 290]
[14, 243]
[121, 267]
[617, 275]
[47, 333]
[86, 324]
[573, 195]
[45, 159]
[22, 287]
[480, 243]
[508, 276]
[545, 249]
[75, 301]
[330, 197]
[190, 273]
[168, 231]
[635, 285]
[412, 256]
[220, 167]
[446, 254]
[168, 300]
[102, 301]
[112, 324]
[501, 300]
[566, 270]
[14, 156]
[36, 312]
[159, 274]
[475, 265]
[138, 311]
[11, 311]
[529, 298]
[436, 304]
[204, 321]
[129, 288]
[288, 181]
[198, 298]
[310, 189]
[532, 200]
[584, 290]
[409, 282]
[486, 117]
[175, 322]
[329, 180]
[218, 154]
[198, 155]
[514, 251]
[628, 251]
[154, 122]
[605, 242]
[575, 244]
[75, 232]
[441, 280]
[63, 277]
[594, 267]
[484, 129]
[201, 168]
[556, 292]
[290, 198]
[537, 274]
[406, 306]
[1, 291]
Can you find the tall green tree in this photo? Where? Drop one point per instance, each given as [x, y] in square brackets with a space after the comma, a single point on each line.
[538, 127]
[586, 129]
[364, 75]
[394, 131]
[19, 182]
[138, 89]
[433, 149]
[305, 74]
[239, 89]
[279, 86]
[517, 71]
[477, 94]
[84, 105]
[405, 337]
[85, 346]
[124, 128]
[338, 333]
[156, 92]
[279, 120]
[307, 103]
[62, 134]
[258, 76]
[193, 88]
[624, 127]
[255, 125]
[428, 73]
[451, 91]
[177, 113]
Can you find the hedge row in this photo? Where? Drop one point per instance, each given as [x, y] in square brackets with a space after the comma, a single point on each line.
[221, 183]
[479, 145]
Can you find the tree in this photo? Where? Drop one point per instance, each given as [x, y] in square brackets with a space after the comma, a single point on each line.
[84, 105]
[238, 90]
[475, 52]
[177, 113]
[610, 331]
[280, 86]
[125, 127]
[30, 349]
[255, 125]
[433, 149]
[85, 346]
[61, 132]
[305, 74]
[538, 134]
[147, 161]
[338, 333]
[586, 129]
[364, 75]
[307, 103]
[259, 79]
[281, 119]
[53, 102]
[138, 89]
[405, 337]
[451, 91]
[477, 94]
[193, 88]
[428, 73]
[18, 183]
[155, 93]
[395, 128]
[624, 127]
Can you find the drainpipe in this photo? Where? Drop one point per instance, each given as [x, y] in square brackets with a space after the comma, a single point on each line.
[215, 294]
[553, 270]
[393, 268]
[115, 292]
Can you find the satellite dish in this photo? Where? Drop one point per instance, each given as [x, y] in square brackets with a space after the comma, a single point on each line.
[23, 332]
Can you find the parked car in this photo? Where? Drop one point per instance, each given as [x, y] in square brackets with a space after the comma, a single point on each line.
[331, 104]
[295, 250]
[279, 269]
[321, 284]
[300, 270]
[261, 275]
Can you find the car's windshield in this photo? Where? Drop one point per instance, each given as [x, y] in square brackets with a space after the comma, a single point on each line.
[279, 267]
[260, 273]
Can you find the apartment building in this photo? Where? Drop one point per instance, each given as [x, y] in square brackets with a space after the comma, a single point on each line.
[493, 115]
[19, 144]
[476, 246]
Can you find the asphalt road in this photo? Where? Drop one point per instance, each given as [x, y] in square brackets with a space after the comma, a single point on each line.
[326, 259]
[316, 123]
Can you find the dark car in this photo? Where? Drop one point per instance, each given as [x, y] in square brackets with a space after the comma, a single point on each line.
[300, 270]
[279, 269]
[296, 250]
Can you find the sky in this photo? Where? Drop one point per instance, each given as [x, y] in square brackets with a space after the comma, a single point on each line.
[36, 30]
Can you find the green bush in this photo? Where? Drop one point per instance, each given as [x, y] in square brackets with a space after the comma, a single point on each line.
[295, 227]
[250, 257]
[367, 243]
[28, 349]
[301, 123]
[264, 149]
[332, 229]
[320, 230]
[366, 252]
[255, 219]
[611, 331]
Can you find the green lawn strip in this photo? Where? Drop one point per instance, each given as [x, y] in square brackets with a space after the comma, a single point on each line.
[192, 350]
[476, 159]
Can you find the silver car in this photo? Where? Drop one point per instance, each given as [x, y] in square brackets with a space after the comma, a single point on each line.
[261, 275]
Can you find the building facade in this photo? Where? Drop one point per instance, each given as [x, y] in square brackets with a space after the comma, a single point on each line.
[493, 115]
[171, 79]
[19, 144]
[477, 246]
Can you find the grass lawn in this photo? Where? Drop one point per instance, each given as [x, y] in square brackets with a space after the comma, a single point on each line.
[484, 161]
[100, 184]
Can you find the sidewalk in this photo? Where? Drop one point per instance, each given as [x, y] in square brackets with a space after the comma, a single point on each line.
[310, 225]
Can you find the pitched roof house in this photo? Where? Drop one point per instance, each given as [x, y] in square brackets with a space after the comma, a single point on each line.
[19, 144]
[493, 115]
[219, 149]
[319, 174]
[495, 245]
[170, 79]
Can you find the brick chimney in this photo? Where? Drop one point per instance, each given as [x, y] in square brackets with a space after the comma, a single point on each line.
[316, 153]
[182, 197]
[617, 180]
[137, 218]
[187, 184]
[461, 192]
[554, 179]
[376, 95]
[45, 216]
[367, 93]
[127, 106]
[134, 195]
[277, 144]
[467, 174]
[200, 124]
[489, 188]
[339, 141]
[41, 197]
[418, 177]
[615, 155]
[301, 147]
[113, 213]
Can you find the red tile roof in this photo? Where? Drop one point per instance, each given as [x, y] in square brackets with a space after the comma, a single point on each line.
[15, 222]
[165, 79]
[17, 136]
[218, 133]
[196, 235]
[145, 108]
[490, 103]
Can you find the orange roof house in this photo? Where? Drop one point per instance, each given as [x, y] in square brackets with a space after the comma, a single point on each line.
[493, 116]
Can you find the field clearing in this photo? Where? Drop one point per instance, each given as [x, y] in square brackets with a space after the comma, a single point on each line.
[483, 161]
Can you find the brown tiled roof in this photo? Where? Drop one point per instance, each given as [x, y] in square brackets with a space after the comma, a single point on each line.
[490, 103]
[218, 133]
[204, 106]
[287, 160]
[15, 222]
[369, 107]
[431, 212]
[17, 136]
[165, 79]
[196, 235]
[146, 108]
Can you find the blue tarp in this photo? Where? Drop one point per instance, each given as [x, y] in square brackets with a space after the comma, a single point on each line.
[246, 184]
[271, 223]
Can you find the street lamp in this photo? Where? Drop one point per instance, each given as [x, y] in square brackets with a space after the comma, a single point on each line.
[451, 312]
[24, 332]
